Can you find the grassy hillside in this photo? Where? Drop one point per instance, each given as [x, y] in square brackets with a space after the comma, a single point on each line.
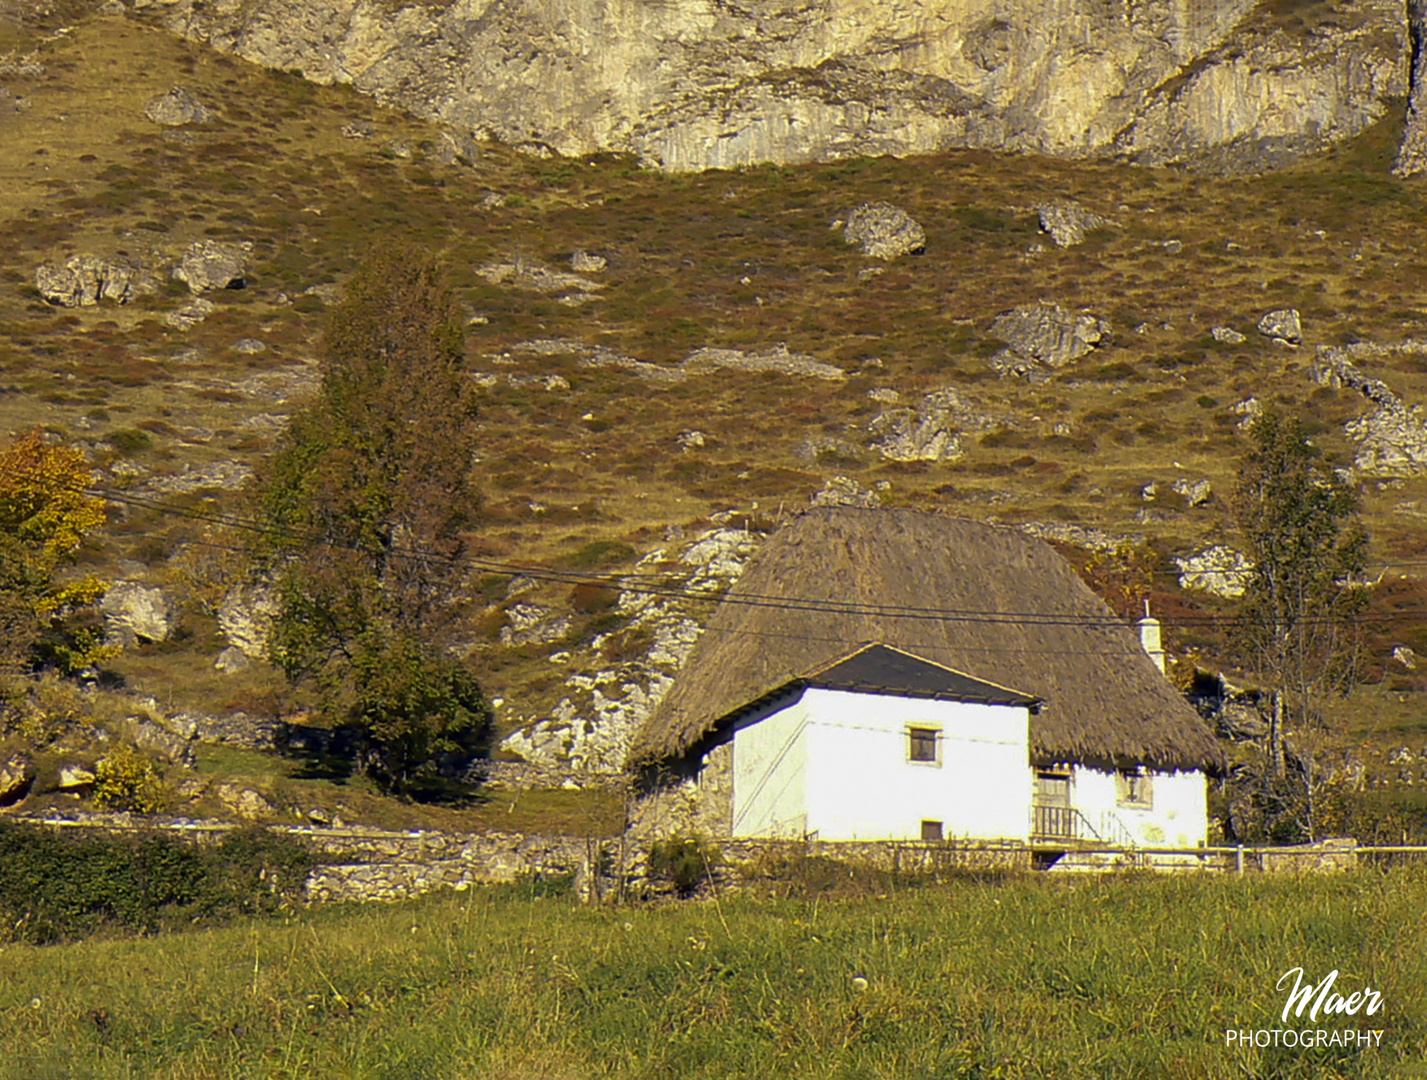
[1024, 978]
[582, 465]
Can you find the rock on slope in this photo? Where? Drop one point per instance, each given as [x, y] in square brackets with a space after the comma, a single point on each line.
[695, 84]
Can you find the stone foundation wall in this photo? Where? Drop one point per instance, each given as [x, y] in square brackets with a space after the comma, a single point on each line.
[915, 859]
[689, 798]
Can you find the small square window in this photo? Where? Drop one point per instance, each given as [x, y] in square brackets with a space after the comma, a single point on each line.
[931, 831]
[921, 744]
[1132, 788]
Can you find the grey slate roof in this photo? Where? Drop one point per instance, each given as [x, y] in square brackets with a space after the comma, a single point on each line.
[881, 669]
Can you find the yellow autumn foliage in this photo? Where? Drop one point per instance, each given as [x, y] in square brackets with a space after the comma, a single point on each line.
[46, 511]
[44, 499]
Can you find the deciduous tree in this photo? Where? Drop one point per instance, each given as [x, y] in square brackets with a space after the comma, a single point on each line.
[45, 514]
[1298, 624]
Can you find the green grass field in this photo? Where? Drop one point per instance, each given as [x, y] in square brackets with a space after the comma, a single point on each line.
[1128, 976]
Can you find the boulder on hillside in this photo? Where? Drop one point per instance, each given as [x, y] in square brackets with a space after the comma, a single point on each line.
[244, 801]
[1045, 335]
[884, 231]
[1067, 222]
[845, 491]
[232, 660]
[246, 617]
[191, 314]
[172, 738]
[17, 777]
[1218, 570]
[532, 624]
[214, 264]
[84, 280]
[75, 777]
[1282, 325]
[1194, 492]
[135, 613]
[176, 108]
[930, 432]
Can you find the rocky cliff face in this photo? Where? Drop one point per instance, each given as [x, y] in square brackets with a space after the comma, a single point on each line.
[1412, 155]
[694, 84]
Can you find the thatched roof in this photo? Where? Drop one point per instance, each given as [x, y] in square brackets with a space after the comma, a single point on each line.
[924, 584]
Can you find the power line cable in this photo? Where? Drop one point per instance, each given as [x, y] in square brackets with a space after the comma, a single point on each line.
[632, 582]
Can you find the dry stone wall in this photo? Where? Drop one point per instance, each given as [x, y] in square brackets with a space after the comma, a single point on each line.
[359, 865]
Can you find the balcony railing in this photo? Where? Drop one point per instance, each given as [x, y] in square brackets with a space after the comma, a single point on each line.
[1056, 823]
[1059, 823]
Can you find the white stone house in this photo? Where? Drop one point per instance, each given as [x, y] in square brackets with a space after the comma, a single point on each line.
[890, 675]
[882, 745]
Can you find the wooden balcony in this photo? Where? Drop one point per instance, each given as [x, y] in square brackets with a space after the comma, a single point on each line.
[1053, 825]
[1058, 823]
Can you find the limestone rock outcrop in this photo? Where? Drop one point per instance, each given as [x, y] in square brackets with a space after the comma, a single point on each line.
[1392, 438]
[1044, 335]
[1412, 154]
[777, 359]
[84, 280]
[885, 231]
[697, 84]
[214, 264]
[136, 613]
[17, 777]
[930, 432]
[176, 108]
[1218, 570]
[590, 728]
[246, 617]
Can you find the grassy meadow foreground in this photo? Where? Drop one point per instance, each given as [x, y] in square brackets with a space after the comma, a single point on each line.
[1121, 976]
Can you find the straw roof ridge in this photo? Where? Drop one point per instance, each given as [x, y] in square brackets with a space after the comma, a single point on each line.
[1105, 702]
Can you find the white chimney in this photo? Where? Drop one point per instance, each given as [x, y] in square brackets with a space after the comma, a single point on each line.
[1150, 639]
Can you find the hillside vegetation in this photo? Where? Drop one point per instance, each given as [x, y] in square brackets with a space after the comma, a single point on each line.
[587, 412]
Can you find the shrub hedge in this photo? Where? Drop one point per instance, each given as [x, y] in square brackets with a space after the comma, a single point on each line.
[58, 887]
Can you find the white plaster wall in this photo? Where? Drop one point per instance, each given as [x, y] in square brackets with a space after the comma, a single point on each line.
[861, 785]
[1177, 817]
[770, 768]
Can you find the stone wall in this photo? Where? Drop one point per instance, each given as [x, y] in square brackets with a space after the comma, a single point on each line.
[383, 865]
[685, 798]
[750, 858]
[400, 866]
